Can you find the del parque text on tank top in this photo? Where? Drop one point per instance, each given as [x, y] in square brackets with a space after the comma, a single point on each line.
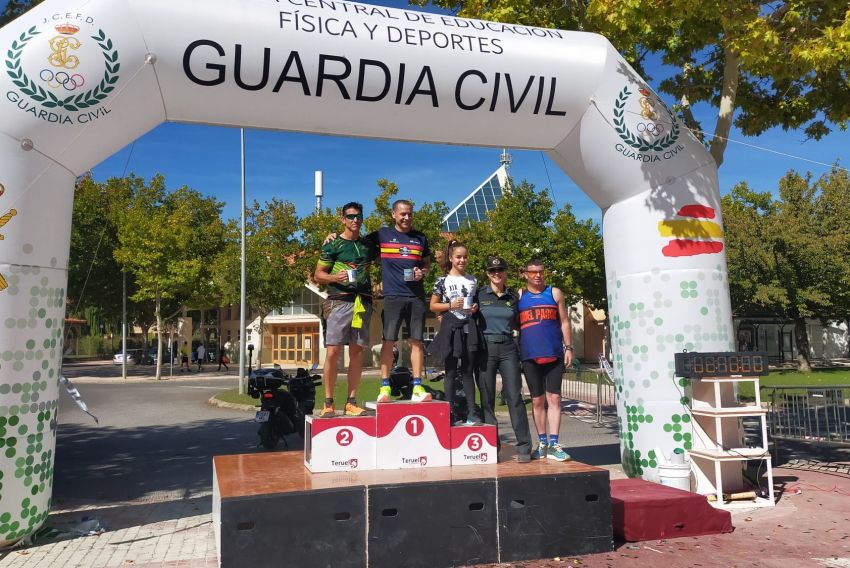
[536, 314]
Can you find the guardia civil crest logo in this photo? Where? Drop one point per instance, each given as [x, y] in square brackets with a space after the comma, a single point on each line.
[647, 130]
[62, 74]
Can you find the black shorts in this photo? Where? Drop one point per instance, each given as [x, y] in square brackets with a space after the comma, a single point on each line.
[410, 310]
[543, 378]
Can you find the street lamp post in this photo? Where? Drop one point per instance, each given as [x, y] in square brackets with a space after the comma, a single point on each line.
[242, 301]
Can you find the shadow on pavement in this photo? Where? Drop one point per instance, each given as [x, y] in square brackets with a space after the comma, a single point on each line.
[97, 464]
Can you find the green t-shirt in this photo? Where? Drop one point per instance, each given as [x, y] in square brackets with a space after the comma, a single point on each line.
[341, 254]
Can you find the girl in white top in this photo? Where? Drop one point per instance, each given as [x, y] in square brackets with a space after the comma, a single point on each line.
[454, 293]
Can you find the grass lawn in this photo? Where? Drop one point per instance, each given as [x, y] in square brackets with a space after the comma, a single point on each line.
[817, 377]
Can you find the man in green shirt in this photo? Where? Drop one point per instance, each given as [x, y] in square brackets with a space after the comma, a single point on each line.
[344, 268]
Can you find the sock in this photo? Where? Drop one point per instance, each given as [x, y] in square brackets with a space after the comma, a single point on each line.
[553, 439]
[417, 381]
[385, 382]
[542, 439]
[352, 401]
[329, 402]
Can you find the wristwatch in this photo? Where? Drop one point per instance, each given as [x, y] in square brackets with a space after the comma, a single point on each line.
[568, 347]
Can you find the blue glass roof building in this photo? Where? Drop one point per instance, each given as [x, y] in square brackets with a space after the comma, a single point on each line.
[476, 205]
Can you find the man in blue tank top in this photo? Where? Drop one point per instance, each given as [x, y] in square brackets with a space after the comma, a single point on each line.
[545, 339]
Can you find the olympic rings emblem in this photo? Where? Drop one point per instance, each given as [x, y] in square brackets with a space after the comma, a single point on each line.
[650, 128]
[62, 79]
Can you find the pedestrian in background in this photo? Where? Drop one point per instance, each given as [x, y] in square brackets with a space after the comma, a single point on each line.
[202, 352]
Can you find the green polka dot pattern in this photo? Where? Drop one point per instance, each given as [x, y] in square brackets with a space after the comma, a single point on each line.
[31, 336]
[652, 316]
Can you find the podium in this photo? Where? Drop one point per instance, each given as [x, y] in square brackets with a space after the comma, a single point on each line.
[401, 435]
[404, 488]
[341, 443]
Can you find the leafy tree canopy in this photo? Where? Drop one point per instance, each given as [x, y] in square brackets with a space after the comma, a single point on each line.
[788, 255]
[760, 64]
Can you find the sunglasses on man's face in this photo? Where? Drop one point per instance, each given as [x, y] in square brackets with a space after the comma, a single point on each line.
[354, 216]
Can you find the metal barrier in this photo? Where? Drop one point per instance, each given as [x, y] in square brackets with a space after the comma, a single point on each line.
[590, 386]
[817, 413]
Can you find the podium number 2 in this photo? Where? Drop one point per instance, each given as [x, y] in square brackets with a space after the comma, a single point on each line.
[475, 443]
[344, 437]
[414, 426]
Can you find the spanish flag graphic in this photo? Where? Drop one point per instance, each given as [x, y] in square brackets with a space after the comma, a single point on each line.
[693, 235]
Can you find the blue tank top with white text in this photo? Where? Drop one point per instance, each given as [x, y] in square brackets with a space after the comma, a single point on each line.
[539, 325]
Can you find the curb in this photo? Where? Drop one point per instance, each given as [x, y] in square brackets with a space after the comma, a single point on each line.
[213, 401]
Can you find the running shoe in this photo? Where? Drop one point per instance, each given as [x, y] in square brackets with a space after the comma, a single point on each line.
[556, 452]
[473, 421]
[353, 410]
[420, 394]
[539, 453]
[385, 393]
[327, 411]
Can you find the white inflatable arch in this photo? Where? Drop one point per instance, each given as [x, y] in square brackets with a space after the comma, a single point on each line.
[81, 79]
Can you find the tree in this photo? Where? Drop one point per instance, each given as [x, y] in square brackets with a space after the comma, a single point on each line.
[94, 276]
[833, 212]
[15, 8]
[759, 64]
[165, 240]
[578, 254]
[518, 229]
[275, 263]
[778, 251]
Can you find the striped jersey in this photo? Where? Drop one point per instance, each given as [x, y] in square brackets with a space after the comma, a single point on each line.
[399, 252]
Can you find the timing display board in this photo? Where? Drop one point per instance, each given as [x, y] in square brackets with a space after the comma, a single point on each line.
[724, 364]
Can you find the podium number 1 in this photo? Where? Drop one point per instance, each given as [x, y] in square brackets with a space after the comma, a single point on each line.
[344, 437]
[414, 426]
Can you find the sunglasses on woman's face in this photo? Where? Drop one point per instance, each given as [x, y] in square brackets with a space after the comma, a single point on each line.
[495, 270]
[354, 216]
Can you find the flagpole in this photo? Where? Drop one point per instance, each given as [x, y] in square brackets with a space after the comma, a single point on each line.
[242, 302]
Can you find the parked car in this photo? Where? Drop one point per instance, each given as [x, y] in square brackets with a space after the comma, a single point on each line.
[133, 356]
[152, 355]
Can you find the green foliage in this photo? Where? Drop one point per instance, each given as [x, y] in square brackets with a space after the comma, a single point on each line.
[523, 227]
[517, 230]
[578, 254]
[94, 276]
[275, 265]
[166, 240]
[15, 8]
[317, 225]
[781, 63]
[788, 255]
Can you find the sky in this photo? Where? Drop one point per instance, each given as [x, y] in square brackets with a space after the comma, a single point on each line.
[282, 164]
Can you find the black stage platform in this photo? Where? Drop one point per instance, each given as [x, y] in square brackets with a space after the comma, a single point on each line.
[269, 511]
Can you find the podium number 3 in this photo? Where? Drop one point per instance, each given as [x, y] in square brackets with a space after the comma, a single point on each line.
[344, 437]
[475, 443]
[414, 426]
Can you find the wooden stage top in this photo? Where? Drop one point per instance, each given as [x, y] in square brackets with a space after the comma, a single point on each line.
[245, 475]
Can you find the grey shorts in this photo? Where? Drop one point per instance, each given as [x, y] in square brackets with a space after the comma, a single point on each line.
[402, 309]
[338, 316]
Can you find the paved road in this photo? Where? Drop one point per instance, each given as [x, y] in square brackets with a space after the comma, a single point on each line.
[154, 442]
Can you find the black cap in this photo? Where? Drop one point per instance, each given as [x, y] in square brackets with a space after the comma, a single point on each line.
[495, 262]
